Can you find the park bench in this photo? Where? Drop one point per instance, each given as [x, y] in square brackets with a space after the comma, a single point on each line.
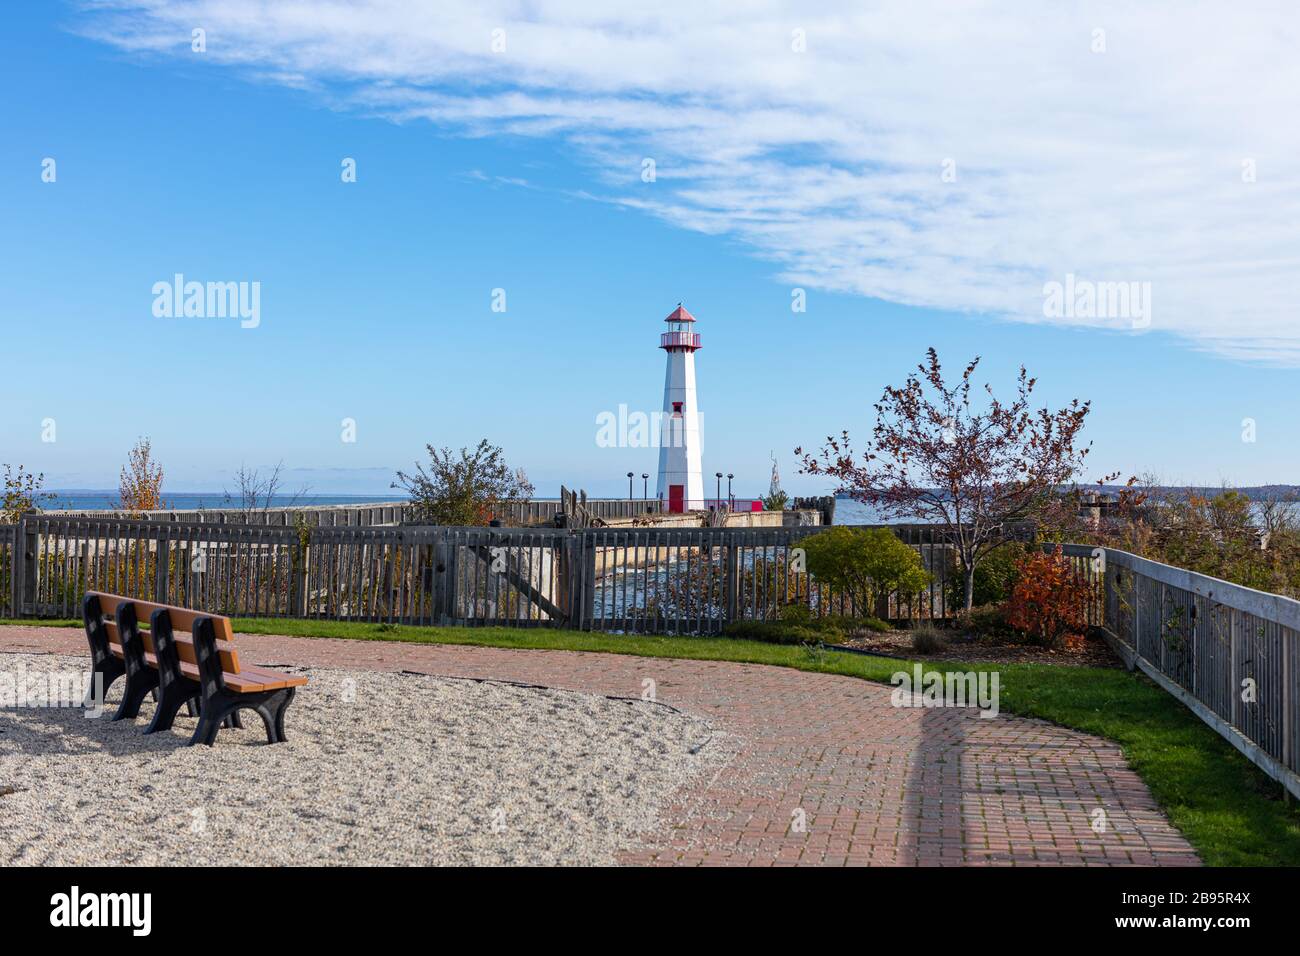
[199, 669]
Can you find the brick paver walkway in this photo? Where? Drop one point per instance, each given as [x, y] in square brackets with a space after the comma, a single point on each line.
[825, 770]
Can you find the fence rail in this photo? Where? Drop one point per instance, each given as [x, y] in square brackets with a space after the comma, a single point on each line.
[324, 516]
[1228, 652]
[540, 510]
[367, 515]
[514, 514]
[661, 580]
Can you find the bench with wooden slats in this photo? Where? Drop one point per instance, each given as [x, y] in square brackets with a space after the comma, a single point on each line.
[171, 665]
[240, 679]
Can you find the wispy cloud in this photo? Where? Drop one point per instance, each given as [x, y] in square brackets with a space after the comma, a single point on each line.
[1128, 165]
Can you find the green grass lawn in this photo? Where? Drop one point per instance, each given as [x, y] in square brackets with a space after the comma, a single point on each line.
[1229, 810]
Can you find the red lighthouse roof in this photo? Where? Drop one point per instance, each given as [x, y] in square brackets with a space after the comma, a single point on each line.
[679, 314]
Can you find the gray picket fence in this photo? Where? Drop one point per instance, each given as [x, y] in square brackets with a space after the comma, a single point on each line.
[660, 580]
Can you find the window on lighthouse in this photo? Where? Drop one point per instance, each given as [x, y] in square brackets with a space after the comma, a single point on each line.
[677, 409]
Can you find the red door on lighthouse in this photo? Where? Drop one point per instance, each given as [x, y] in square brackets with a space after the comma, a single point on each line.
[676, 496]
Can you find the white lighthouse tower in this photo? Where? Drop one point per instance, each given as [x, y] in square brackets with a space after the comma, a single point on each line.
[681, 483]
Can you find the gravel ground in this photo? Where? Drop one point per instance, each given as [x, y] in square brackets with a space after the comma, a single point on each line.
[412, 770]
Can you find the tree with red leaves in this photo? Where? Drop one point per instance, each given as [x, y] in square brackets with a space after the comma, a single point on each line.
[974, 472]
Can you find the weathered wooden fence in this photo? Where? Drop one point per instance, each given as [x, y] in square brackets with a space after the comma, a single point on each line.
[368, 515]
[323, 516]
[661, 580]
[1228, 652]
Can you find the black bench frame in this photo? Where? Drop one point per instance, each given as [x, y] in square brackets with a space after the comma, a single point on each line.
[216, 703]
[102, 660]
[169, 686]
[141, 679]
[174, 688]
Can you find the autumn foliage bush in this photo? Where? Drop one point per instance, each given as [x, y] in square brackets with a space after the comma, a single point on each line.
[1049, 600]
[140, 481]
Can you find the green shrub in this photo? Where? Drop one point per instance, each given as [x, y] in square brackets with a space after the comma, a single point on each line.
[928, 639]
[775, 632]
[795, 614]
[995, 576]
[798, 626]
[776, 501]
[867, 563]
[851, 625]
[838, 624]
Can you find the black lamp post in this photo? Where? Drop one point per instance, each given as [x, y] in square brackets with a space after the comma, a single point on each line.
[630, 476]
[719, 492]
[731, 501]
[645, 484]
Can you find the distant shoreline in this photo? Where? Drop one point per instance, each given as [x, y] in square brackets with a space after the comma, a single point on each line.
[1253, 492]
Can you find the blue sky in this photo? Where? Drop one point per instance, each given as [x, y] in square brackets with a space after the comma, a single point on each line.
[376, 295]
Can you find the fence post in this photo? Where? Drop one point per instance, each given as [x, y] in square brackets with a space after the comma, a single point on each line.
[561, 580]
[163, 556]
[298, 576]
[15, 570]
[587, 588]
[441, 614]
[732, 583]
[25, 570]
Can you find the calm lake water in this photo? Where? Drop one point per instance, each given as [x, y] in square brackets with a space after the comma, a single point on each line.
[848, 511]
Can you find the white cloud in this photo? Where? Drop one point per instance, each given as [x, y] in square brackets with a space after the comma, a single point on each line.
[1117, 166]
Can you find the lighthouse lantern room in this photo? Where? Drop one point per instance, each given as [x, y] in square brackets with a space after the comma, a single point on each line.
[681, 481]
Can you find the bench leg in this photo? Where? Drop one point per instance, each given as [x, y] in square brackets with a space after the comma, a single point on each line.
[138, 687]
[205, 732]
[170, 705]
[225, 713]
[271, 710]
[214, 713]
[112, 669]
[280, 710]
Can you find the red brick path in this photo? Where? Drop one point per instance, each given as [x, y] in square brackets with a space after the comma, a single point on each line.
[873, 784]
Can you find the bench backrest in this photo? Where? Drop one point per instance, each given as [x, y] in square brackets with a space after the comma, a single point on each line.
[182, 619]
